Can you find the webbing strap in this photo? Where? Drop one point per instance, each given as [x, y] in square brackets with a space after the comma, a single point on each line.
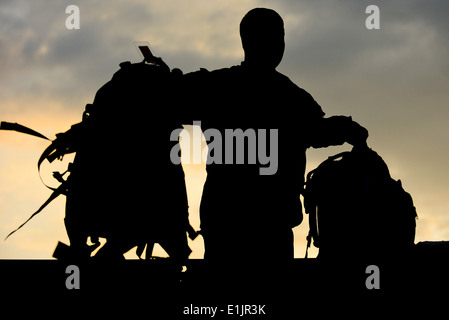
[20, 128]
[60, 190]
[45, 155]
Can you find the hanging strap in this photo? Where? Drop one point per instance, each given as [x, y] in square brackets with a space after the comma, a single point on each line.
[309, 240]
[313, 232]
[59, 147]
[50, 153]
[60, 190]
[51, 149]
[20, 128]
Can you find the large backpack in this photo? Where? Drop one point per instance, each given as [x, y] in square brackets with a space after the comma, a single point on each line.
[122, 184]
[356, 210]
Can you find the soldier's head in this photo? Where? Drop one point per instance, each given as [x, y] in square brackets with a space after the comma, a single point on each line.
[262, 33]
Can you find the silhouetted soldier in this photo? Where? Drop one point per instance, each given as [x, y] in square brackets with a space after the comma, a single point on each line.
[245, 215]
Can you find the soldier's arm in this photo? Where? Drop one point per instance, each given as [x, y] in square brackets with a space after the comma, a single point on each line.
[193, 96]
[336, 130]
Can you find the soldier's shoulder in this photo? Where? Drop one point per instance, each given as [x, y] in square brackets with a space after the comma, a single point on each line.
[288, 84]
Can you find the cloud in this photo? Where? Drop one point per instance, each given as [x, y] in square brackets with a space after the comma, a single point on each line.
[40, 57]
[325, 39]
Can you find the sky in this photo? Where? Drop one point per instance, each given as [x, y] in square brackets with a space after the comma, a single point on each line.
[391, 80]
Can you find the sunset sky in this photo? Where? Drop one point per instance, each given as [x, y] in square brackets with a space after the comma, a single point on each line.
[393, 81]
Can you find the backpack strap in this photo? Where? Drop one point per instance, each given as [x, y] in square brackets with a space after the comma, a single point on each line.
[313, 232]
[64, 143]
[62, 189]
[311, 210]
